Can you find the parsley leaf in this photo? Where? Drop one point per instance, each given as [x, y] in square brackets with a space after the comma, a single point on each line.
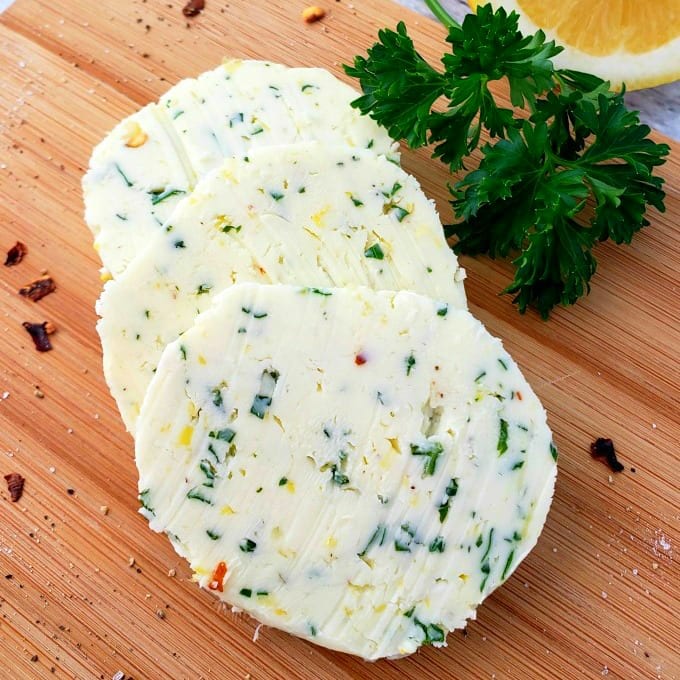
[569, 166]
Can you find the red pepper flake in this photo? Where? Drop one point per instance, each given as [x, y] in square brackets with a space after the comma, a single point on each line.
[38, 289]
[360, 359]
[15, 485]
[40, 333]
[217, 581]
[193, 7]
[15, 254]
[518, 394]
[604, 448]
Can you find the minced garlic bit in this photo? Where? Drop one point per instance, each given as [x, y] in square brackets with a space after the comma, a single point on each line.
[313, 13]
[136, 136]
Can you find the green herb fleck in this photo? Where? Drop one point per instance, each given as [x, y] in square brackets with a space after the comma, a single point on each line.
[225, 435]
[122, 217]
[208, 469]
[438, 545]
[431, 450]
[262, 401]
[504, 366]
[378, 537]
[179, 244]
[283, 481]
[246, 592]
[320, 291]
[259, 315]
[262, 593]
[276, 195]
[247, 546]
[195, 494]
[159, 196]
[408, 614]
[124, 176]
[553, 451]
[518, 465]
[502, 437]
[216, 393]
[356, 201]
[402, 543]
[213, 535]
[508, 564]
[183, 352]
[431, 632]
[203, 289]
[374, 252]
[410, 362]
[312, 629]
[144, 500]
[337, 477]
[442, 310]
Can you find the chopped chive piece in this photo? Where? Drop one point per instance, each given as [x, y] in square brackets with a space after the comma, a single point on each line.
[410, 362]
[480, 376]
[262, 401]
[320, 291]
[338, 477]
[402, 543]
[216, 393]
[312, 629]
[553, 451]
[207, 469]
[123, 175]
[378, 537]
[503, 437]
[230, 227]
[121, 217]
[144, 500]
[246, 592]
[486, 570]
[183, 352]
[488, 547]
[518, 465]
[508, 563]
[247, 546]
[225, 435]
[400, 213]
[308, 86]
[177, 114]
[409, 613]
[259, 315]
[504, 366]
[431, 450]
[213, 535]
[159, 196]
[211, 450]
[257, 131]
[374, 252]
[438, 545]
[262, 593]
[431, 632]
[395, 187]
[370, 144]
[283, 481]
[195, 494]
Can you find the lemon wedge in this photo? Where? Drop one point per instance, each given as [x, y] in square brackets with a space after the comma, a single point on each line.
[619, 40]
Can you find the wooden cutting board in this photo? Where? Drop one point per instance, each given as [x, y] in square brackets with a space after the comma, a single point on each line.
[87, 590]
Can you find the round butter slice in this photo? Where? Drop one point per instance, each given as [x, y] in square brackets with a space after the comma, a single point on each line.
[358, 468]
[154, 158]
[307, 214]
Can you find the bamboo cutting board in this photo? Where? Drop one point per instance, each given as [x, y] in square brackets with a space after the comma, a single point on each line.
[87, 590]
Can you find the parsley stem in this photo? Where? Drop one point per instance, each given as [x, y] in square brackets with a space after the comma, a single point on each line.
[442, 15]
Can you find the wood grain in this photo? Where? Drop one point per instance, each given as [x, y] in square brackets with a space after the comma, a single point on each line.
[599, 594]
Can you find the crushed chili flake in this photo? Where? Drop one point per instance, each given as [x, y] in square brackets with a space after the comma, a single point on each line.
[359, 359]
[39, 333]
[15, 254]
[38, 289]
[193, 7]
[217, 581]
[604, 448]
[15, 485]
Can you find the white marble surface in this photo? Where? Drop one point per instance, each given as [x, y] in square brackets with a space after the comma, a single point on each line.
[659, 106]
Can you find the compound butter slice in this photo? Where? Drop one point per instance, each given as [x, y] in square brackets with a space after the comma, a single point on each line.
[357, 468]
[154, 158]
[308, 214]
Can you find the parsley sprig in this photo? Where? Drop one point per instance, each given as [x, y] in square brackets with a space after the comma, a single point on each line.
[568, 166]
